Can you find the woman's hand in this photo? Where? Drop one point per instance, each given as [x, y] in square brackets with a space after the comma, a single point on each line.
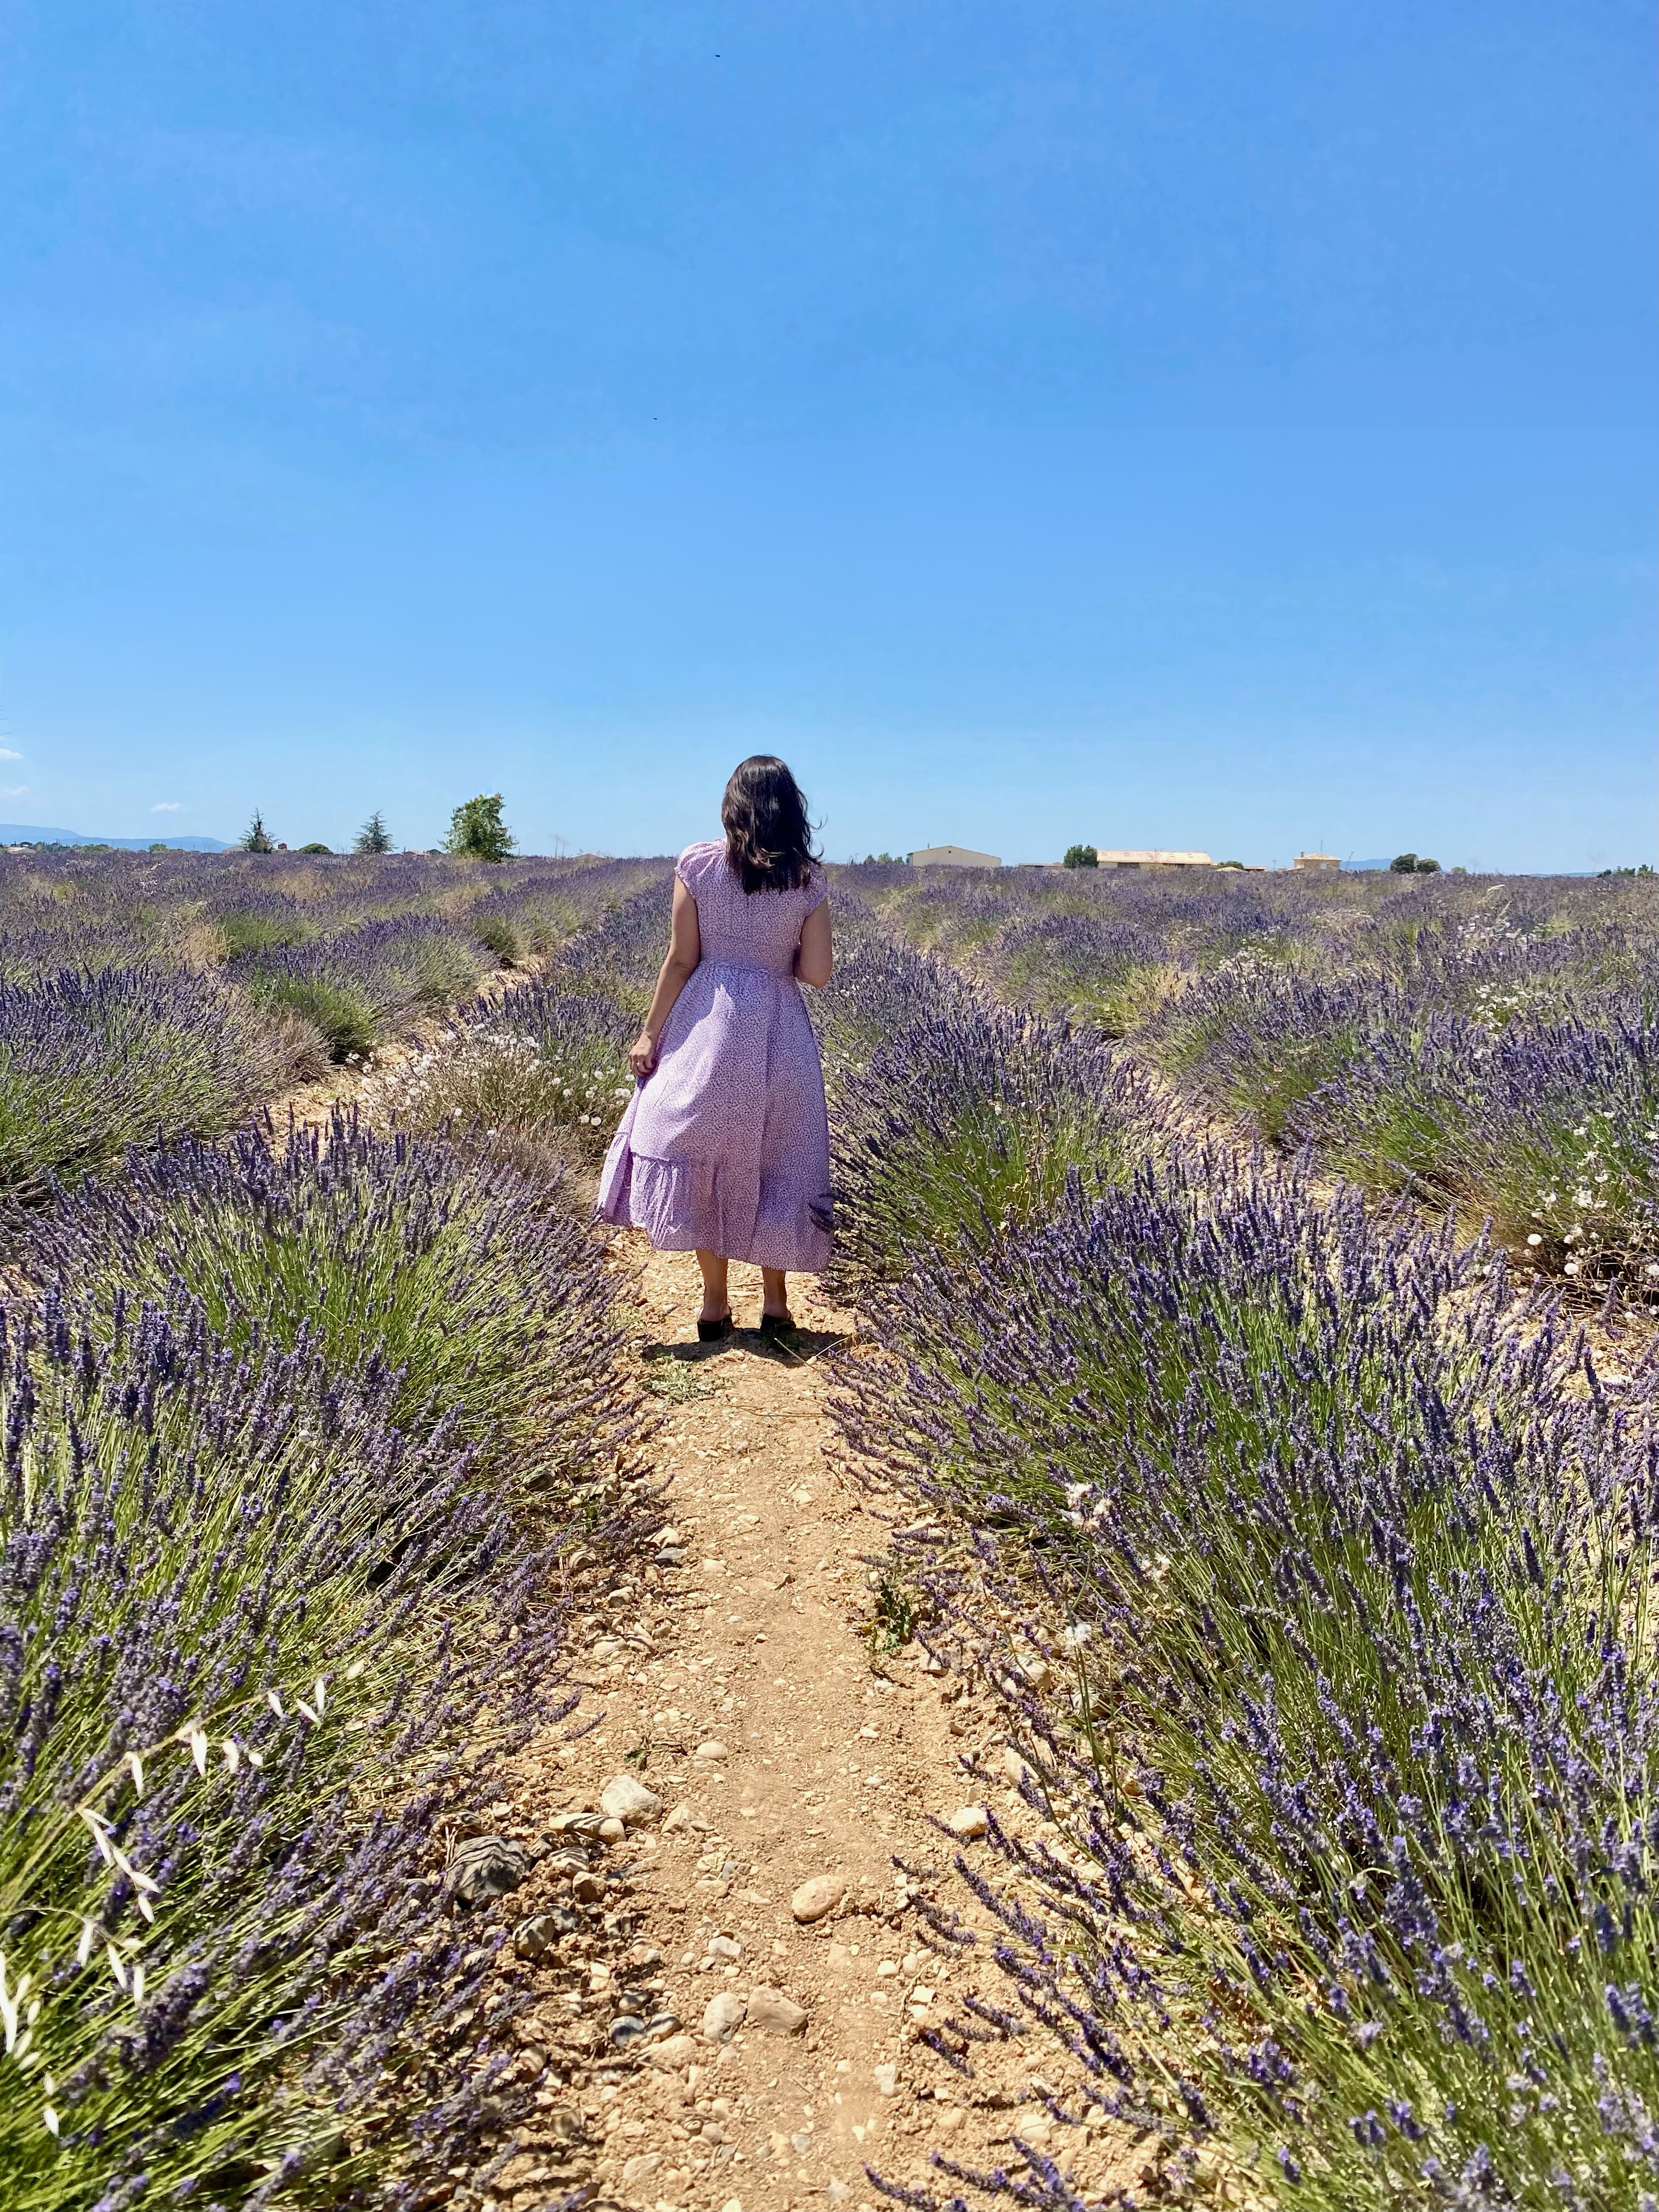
[642, 1055]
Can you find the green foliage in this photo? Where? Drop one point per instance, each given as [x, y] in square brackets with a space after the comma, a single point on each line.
[1082, 856]
[255, 838]
[476, 831]
[340, 1008]
[892, 1620]
[503, 937]
[374, 836]
[1409, 863]
[258, 932]
[315, 848]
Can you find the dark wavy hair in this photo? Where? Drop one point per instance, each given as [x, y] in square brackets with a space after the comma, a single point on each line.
[769, 839]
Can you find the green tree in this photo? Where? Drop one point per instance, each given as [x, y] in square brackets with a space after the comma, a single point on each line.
[1403, 864]
[316, 849]
[1082, 856]
[374, 836]
[255, 838]
[476, 831]
[1428, 867]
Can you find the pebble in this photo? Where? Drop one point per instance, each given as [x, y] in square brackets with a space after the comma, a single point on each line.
[536, 1937]
[625, 2026]
[611, 1830]
[885, 2079]
[817, 1897]
[679, 1818]
[722, 2017]
[774, 2013]
[672, 2052]
[711, 1751]
[968, 1821]
[485, 1867]
[640, 2168]
[723, 1947]
[626, 1798]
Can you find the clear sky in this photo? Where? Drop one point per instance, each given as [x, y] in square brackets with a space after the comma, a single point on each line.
[1197, 422]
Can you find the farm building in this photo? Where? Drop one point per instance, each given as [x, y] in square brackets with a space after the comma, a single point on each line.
[953, 856]
[1137, 859]
[1317, 864]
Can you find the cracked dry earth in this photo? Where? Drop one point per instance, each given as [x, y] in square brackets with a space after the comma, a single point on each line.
[777, 2054]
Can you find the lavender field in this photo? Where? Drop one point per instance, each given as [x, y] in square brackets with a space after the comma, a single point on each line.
[1262, 1280]
[1256, 1283]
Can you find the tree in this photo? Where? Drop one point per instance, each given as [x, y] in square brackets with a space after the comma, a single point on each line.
[1082, 856]
[1427, 867]
[316, 849]
[476, 831]
[255, 838]
[374, 836]
[1403, 864]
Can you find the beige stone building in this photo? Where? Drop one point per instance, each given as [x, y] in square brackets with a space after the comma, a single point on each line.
[953, 856]
[1317, 864]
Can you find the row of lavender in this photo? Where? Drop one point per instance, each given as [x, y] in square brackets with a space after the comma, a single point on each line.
[1339, 1682]
[295, 1440]
[173, 993]
[1489, 1044]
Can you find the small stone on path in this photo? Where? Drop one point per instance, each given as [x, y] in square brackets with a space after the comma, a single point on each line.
[485, 1867]
[774, 2013]
[626, 1798]
[722, 2016]
[968, 1821]
[818, 1897]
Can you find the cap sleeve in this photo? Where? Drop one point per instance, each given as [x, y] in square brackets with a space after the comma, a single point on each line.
[693, 865]
[818, 889]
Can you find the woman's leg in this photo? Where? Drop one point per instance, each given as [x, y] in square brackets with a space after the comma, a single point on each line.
[775, 1291]
[716, 1299]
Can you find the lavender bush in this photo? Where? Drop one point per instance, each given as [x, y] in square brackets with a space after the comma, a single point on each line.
[360, 987]
[1361, 1770]
[89, 1063]
[969, 1122]
[400, 1255]
[1553, 1133]
[245, 1625]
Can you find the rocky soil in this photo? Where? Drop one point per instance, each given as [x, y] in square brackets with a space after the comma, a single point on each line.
[730, 1976]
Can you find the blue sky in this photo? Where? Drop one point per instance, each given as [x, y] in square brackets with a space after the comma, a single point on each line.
[1228, 425]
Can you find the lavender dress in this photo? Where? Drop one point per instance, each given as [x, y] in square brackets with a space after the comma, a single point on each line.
[725, 1144]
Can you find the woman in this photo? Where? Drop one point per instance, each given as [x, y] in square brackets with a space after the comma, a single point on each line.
[724, 1147]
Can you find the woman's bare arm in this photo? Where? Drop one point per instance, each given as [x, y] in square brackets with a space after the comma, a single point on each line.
[815, 957]
[684, 951]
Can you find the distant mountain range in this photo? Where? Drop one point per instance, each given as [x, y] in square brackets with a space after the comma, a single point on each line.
[30, 833]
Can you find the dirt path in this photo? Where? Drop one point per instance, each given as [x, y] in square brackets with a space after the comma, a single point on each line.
[741, 1690]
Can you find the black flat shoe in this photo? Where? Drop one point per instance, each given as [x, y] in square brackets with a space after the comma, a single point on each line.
[781, 1324]
[711, 1332]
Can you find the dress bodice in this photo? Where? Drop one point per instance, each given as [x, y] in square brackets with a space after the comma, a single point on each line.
[753, 929]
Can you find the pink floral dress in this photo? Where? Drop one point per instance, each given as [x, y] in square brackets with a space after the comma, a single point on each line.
[725, 1146]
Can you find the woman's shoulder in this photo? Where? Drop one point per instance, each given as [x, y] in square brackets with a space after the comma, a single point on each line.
[696, 861]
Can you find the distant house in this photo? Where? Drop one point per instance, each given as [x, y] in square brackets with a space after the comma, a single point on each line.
[1137, 859]
[953, 856]
[1316, 864]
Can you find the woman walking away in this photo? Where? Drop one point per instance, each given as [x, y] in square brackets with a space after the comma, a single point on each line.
[724, 1147]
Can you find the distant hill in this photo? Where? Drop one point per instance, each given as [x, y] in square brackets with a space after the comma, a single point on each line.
[30, 833]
